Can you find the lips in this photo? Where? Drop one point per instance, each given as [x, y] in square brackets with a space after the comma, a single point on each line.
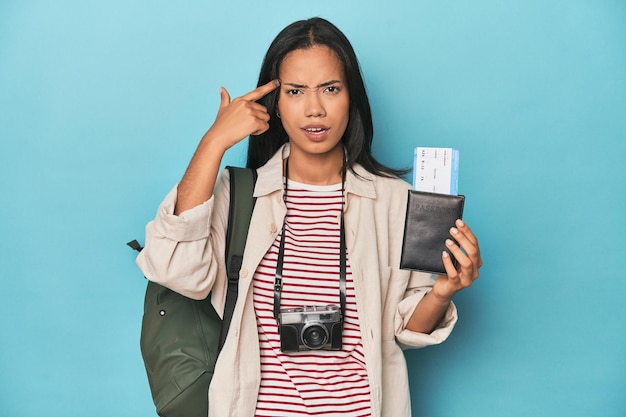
[316, 133]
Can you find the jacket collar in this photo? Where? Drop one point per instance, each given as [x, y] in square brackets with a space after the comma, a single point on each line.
[270, 177]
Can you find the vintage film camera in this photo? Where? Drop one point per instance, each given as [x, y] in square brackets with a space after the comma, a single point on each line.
[310, 328]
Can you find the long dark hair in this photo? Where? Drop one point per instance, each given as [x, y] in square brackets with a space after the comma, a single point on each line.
[357, 139]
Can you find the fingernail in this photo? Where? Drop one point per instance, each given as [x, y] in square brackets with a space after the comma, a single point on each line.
[277, 82]
[460, 223]
[454, 230]
[444, 254]
[449, 242]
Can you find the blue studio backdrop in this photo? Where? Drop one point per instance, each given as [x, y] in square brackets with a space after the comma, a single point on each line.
[102, 105]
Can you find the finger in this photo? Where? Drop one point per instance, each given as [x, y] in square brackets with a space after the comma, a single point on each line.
[257, 110]
[467, 241]
[461, 225]
[224, 98]
[262, 122]
[262, 115]
[261, 130]
[451, 271]
[261, 91]
[468, 273]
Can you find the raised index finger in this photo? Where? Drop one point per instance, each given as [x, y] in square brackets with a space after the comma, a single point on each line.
[261, 91]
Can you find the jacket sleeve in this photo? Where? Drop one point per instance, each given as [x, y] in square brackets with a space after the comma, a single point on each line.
[419, 285]
[186, 252]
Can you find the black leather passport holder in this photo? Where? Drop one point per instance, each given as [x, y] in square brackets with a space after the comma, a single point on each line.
[429, 217]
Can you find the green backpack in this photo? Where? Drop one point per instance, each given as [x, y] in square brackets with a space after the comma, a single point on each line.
[181, 337]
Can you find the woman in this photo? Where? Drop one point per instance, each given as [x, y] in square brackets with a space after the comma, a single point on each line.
[318, 186]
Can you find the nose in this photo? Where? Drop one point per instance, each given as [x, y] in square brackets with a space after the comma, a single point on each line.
[314, 106]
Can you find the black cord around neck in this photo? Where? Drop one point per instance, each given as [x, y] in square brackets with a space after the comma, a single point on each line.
[278, 280]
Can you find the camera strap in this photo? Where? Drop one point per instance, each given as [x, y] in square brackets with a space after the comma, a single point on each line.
[278, 280]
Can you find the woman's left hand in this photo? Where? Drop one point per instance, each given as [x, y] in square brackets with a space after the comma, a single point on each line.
[467, 254]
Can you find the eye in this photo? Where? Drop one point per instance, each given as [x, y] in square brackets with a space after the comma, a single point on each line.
[333, 89]
[292, 92]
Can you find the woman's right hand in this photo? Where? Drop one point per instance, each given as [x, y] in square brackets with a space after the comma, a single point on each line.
[241, 117]
[235, 121]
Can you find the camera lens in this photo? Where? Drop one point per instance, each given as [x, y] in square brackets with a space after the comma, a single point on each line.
[314, 336]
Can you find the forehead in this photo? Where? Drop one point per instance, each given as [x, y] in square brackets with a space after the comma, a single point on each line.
[311, 66]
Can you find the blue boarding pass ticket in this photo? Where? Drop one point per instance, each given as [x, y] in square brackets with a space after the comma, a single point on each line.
[436, 170]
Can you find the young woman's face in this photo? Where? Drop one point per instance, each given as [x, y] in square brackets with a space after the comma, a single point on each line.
[313, 102]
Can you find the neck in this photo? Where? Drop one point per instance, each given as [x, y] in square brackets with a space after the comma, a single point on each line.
[316, 169]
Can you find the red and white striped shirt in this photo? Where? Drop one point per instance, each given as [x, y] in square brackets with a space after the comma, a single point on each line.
[314, 382]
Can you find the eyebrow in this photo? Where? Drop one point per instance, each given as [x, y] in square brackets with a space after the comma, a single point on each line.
[324, 84]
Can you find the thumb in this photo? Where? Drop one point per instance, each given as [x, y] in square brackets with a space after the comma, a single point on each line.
[224, 98]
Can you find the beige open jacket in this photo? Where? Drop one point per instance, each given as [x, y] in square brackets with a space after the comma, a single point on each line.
[186, 254]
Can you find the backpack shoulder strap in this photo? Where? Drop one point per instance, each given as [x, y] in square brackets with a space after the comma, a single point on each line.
[242, 182]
